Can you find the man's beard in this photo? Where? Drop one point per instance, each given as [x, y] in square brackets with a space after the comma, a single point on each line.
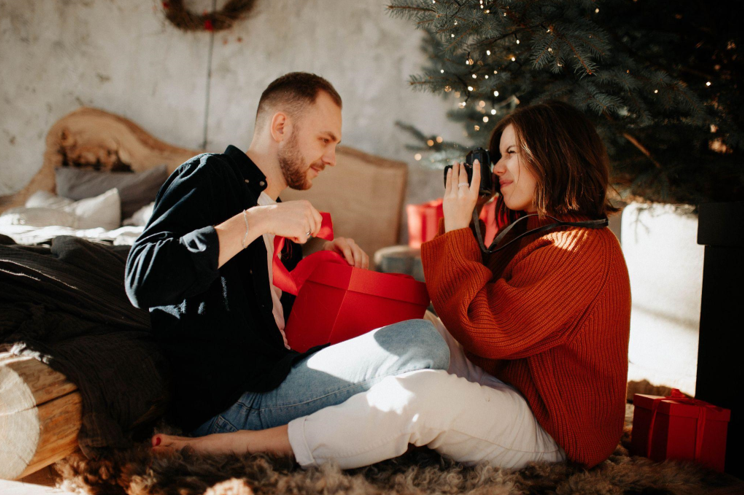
[291, 163]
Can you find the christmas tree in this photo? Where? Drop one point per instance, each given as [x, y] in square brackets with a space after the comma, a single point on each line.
[660, 79]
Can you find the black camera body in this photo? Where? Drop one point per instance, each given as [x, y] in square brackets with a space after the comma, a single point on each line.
[488, 187]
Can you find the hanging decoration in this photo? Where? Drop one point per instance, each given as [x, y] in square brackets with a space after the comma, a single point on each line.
[219, 20]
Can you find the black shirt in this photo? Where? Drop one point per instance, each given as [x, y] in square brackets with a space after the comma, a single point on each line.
[216, 326]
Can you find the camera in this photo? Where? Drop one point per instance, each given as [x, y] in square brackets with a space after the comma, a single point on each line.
[488, 187]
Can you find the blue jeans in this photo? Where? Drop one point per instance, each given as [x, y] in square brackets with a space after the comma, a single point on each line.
[334, 374]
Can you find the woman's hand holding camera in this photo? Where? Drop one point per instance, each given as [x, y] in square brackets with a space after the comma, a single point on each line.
[460, 197]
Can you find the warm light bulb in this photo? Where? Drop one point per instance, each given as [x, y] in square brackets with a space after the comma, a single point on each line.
[481, 103]
[462, 104]
[486, 76]
[476, 127]
[517, 42]
[656, 91]
[708, 83]
[493, 111]
[485, 119]
[442, 71]
[439, 139]
[470, 88]
[474, 76]
[495, 93]
[430, 142]
[488, 52]
[514, 59]
[417, 156]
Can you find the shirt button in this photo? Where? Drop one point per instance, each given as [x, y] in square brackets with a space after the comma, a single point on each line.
[262, 183]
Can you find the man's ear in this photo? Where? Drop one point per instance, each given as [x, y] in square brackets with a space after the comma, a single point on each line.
[280, 127]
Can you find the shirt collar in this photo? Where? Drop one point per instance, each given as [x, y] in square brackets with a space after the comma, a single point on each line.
[252, 175]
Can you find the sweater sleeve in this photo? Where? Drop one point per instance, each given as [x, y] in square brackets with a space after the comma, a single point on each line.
[177, 254]
[523, 314]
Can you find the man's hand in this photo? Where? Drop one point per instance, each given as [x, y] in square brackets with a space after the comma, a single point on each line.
[295, 220]
[349, 249]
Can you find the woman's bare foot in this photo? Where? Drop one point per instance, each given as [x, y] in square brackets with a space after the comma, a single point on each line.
[273, 440]
[217, 443]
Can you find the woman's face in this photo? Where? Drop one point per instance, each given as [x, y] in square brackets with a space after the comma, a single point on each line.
[515, 179]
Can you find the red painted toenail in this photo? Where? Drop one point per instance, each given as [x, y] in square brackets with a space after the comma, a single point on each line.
[157, 441]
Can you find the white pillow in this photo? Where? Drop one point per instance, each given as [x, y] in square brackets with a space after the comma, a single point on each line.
[141, 216]
[44, 209]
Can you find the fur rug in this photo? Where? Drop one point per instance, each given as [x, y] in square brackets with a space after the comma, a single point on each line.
[420, 471]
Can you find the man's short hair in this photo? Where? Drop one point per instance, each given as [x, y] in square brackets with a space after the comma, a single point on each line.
[292, 93]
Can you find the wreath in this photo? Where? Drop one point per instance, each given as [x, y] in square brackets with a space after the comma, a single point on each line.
[219, 20]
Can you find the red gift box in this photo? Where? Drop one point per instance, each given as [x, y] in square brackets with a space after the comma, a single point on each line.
[423, 222]
[679, 428]
[338, 302]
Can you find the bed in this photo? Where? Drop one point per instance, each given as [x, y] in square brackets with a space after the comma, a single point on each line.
[68, 335]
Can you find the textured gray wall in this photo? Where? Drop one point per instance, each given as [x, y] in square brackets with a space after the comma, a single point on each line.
[123, 56]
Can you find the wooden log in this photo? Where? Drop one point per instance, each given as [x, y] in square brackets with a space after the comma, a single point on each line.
[40, 416]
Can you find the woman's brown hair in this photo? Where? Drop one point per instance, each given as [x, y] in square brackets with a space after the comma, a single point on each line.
[562, 149]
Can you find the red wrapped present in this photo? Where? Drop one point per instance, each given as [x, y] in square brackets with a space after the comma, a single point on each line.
[679, 428]
[423, 222]
[338, 302]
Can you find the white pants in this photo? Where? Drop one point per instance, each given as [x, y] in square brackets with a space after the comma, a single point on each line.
[463, 413]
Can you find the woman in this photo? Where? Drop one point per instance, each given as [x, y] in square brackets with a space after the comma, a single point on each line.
[538, 331]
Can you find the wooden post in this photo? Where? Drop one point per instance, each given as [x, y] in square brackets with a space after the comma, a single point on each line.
[40, 416]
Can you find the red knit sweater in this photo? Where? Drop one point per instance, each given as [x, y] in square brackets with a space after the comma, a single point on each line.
[549, 315]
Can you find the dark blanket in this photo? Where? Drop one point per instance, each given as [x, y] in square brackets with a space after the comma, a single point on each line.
[65, 305]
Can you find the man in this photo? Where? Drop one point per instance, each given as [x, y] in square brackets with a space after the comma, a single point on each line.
[203, 266]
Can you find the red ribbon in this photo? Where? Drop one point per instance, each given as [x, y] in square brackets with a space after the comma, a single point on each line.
[680, 398]
[292, 282]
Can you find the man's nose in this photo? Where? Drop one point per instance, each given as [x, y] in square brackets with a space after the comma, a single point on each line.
[330, 158]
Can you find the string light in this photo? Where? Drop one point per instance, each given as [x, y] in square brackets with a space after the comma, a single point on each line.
[470, 88]
[475, 77]
[493, 111]
[452, 35]
[514, 59]
[708, 83]
[476, 127]
[430, 142]
[457, 94]
[488, 11]
[596, 11]
[495, 93]
[447, 89]
[517, 42]
[656, 91]
[455, 23]
[417, 156]
[486, 76]
[481, 103]
[488, 52]
[495, 72]
[439, 139]
[462, 104]
[442, 71]
[485, 119]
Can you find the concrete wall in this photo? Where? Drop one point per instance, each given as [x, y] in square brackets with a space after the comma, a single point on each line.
[665, 265]
[124, 57]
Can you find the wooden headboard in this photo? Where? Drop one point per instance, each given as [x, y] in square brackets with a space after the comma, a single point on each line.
[93, 138]
[364, 193]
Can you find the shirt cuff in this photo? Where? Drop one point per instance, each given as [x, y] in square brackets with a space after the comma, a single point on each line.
[203, 246]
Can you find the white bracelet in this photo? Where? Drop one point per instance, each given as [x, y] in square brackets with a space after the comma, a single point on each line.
[245, 217]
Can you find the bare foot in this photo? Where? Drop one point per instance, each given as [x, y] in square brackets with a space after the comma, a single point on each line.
[274, 440]
[216, 443]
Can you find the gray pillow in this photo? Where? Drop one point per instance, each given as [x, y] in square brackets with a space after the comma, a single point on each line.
[135, 189]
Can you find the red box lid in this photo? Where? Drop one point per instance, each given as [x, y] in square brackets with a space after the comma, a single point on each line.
[678, 407]
[388, 285]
